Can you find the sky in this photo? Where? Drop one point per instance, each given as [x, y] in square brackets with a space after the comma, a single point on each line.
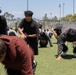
[38, 7]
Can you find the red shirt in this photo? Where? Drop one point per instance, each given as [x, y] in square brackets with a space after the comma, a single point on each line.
[18, 55]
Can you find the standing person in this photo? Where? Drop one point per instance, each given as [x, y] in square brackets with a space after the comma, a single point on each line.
[40, 28]
[15, 54]
[48, 35]
[30, 31]
[68, 34]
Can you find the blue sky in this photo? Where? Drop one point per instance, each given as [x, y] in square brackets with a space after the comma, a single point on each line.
[39, 7]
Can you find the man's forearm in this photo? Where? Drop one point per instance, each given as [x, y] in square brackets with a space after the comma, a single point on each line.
[33, 35]
[20, 31]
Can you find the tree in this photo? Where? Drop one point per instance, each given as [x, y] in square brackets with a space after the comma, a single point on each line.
[55, 18]
[8, 16]
[74, 16]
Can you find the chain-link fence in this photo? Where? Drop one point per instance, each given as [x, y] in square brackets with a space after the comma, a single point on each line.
[49, 24]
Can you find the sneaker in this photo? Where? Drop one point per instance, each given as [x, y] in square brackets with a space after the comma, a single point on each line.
[74, 54]
[51, 45]
[64, 54]
[34, 66]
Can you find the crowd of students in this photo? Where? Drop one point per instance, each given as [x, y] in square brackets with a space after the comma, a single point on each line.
[17, 52]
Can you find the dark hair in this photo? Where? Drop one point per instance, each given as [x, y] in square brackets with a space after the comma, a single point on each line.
[28, 13]
[12, 34]
[2, 47]
[58, 30]
[3, 25]
[71, 32]
[71, 35]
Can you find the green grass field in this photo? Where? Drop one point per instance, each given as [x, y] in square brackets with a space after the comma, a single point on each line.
[48, 65]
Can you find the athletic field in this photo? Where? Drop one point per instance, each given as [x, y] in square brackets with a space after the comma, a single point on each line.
[48, 65]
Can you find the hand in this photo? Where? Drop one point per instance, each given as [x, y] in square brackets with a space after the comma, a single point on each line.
[59, 58]
[23, 36]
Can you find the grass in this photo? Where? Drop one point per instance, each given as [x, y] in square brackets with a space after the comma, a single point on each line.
[48, 65]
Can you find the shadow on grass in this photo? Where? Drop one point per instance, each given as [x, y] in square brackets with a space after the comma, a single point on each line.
[68, 56]
[43, 47]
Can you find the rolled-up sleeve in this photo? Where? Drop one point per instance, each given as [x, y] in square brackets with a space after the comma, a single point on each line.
[61, 41]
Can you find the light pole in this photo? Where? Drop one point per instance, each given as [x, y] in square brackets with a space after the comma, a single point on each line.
[73, 7]
[51, 15]
[63, 9]
[0, 10]
[60, 12]
[51, 18]
[27, 4]
[45, 19]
